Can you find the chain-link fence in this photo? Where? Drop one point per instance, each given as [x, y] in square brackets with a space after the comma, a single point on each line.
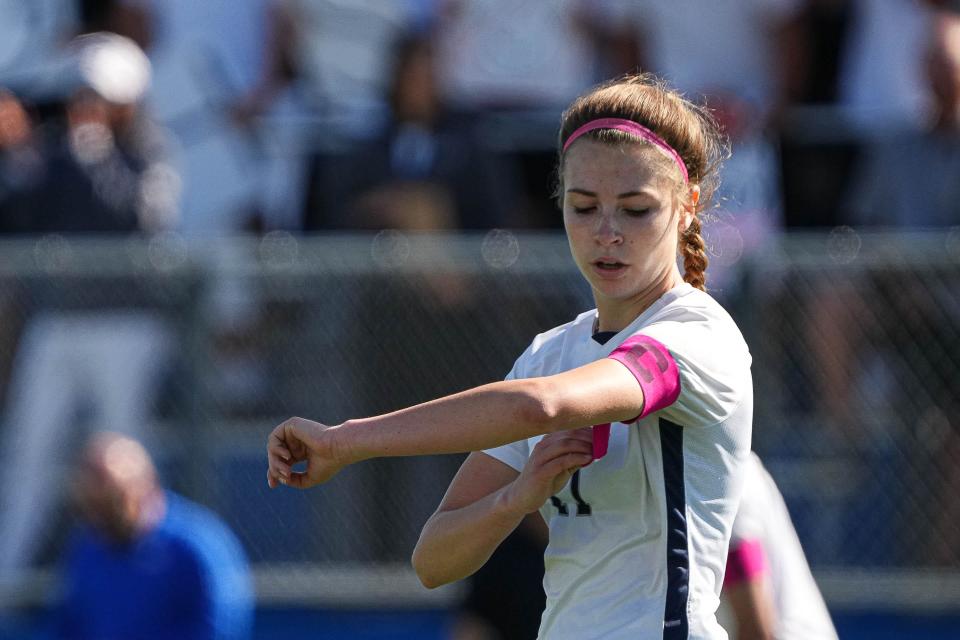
[200, 349]
[856, 343]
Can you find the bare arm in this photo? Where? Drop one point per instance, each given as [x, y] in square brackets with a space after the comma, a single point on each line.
[499, 413]
[752, 610]
[470, 523]
[487, 500]
[479, 418]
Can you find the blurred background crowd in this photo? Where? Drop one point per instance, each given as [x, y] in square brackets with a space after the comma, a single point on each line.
[177, 123]
[305, 115]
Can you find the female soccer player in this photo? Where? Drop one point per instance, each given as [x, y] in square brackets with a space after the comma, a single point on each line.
[626, 428]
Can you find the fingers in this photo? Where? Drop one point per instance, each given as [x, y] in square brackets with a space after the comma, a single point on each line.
[560, 456]
[278, 470]
[567, 463]
[273, 478]
[299, 480]
[582, 435]
[279, 458]
[558, 444]
[296, 440]
[277, 445]
[277, 474]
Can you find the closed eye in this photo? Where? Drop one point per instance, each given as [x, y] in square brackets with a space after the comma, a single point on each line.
[637, 212]
[584, 210]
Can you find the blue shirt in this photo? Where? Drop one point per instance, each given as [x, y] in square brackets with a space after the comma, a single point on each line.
[186, 579]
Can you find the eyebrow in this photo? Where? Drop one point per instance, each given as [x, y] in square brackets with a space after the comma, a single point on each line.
[625, 194]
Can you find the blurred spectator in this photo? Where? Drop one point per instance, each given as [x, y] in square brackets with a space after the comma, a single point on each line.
[338, 56]
[31, 36]
[148, 563]
[734, 53]
[108, 170]
[818, 146]
[510, 67]
[69, 368]
[509, 54]
[910, 180]
[93, 363]
[820, 32]
[323, 88]
[425, 172]
[203, 56]
[881, 79]
[768, 585]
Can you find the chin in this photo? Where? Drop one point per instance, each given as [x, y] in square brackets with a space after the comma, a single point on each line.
[604, 290]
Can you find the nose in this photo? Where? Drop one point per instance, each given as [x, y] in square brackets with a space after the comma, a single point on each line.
[608, 231]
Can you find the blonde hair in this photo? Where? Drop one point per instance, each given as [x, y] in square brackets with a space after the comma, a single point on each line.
[688, 128]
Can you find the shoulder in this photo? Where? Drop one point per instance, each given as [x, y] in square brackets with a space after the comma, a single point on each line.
[200, 533]
[712, 358]
[549, 345]
[554, 337]
[692, 317]
[689, 304]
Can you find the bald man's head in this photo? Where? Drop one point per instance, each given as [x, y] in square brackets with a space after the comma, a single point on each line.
[116, 483]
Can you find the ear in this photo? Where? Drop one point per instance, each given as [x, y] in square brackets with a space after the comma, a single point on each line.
[689, 208]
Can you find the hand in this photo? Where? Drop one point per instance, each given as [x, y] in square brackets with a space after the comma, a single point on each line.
[550, 466]
[297, 440]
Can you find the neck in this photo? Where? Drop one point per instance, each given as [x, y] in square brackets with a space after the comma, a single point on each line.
[615, 314]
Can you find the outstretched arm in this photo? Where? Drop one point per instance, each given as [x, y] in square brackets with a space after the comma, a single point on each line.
[479, 418]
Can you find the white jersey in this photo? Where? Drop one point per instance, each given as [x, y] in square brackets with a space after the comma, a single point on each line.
[763, 518]
[638, 539]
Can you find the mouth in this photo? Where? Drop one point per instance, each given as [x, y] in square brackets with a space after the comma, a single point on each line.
[605, 264]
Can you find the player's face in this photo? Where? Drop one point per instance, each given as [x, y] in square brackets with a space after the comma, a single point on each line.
[623, 214]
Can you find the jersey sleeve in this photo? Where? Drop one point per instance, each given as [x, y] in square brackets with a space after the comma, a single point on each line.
[513, 454]
[712, 371]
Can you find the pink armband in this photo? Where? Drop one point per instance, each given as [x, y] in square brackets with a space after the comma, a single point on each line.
[658, 375]
[654, 368]
[745, 562]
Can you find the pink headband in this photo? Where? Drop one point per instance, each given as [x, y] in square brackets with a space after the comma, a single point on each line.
[629, 126]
